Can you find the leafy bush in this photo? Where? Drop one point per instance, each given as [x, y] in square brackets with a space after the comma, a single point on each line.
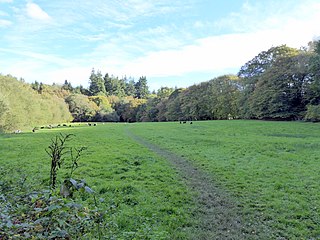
[27, 213]
[43, 214]
[313, 113]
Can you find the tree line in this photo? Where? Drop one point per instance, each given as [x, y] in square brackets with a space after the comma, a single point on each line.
[21, 106]
[281, 83]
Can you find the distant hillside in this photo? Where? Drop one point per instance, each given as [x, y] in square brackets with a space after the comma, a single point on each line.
[21, 106]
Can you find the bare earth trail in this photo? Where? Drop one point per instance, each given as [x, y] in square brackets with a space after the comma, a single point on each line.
[218, 217]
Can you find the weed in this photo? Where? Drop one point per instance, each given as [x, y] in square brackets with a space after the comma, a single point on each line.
[127, 205]
[56, 151]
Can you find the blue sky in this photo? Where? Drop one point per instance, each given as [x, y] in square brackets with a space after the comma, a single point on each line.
[172, 43]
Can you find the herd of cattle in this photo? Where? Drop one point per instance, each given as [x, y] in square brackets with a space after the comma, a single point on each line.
[69, 125]
[184, 122]
[53, 126]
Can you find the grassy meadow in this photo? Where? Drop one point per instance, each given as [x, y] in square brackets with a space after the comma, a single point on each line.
[142, 196]
[269, 169]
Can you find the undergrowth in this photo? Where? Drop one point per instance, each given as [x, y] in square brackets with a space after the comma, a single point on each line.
[133, 194]
[43, 213]
[37, 214]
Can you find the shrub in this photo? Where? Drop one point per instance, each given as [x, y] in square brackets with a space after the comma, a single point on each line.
[313, 113]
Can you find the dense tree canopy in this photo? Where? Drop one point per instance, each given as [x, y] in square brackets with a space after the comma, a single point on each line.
[282, 86]
[281, 83]
[251, 72]
[81, 108]
[21, 106]
[280, 90]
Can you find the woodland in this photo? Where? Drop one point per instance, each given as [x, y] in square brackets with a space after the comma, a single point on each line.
[281, 83]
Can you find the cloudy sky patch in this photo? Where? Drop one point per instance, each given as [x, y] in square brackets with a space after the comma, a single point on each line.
[35, 12]
[172, 43]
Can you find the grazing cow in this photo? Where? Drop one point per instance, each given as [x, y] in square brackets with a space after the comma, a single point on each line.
[190, 122]
[180, 122]
[184, 122]
[94, 124]
[17, 131]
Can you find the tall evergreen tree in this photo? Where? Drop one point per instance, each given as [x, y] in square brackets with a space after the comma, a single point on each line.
[96, 84]
[114, 86]
[130, 87]
[142, 89]
[120, 87]
[108, 84]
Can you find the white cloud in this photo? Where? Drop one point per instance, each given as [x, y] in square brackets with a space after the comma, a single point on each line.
[217, 53]
[34, 56]
[6, 1]
[35, 69]
[76, 75]
[207, 54]
[5, 23]
[213, 54]
[117, 12]
[158, 51]
[35, 12]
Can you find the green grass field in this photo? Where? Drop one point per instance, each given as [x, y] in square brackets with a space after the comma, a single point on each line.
[268, 170]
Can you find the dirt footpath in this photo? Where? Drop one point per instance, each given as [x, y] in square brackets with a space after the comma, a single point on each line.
[218, 217]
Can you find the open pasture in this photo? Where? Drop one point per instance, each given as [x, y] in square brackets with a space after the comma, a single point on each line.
[141, 196]
[270, 169]
[267, 171]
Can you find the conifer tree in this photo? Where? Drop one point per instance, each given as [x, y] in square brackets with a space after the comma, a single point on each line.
[142, 90]
[96, 82]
